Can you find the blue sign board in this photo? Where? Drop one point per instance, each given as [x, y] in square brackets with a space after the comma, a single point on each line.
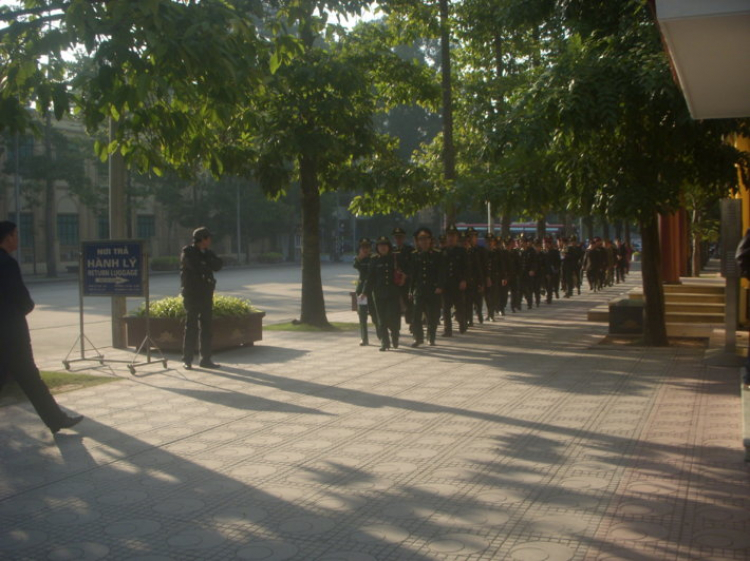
[112, 268]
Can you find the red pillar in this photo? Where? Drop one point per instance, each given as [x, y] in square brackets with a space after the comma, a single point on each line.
[669, 237]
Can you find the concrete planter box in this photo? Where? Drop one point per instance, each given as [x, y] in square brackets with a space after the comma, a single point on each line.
[626, 317]
[167, 333]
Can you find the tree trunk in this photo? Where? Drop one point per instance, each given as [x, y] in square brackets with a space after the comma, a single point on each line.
[654, 328]
[313, 304]
[541, 227]
[50, 215]
[505, 222]
[449, 151]
[588, 222]
[627, 232]
[697, 261]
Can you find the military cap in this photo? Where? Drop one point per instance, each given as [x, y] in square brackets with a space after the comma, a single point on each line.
[423, 231]
[384, 240]
[201, 233]
[451, 229]
[398, 231]
[470, 231]
[442, 237]
[365, 241]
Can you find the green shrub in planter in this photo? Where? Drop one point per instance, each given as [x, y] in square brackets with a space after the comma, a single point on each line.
[235, 323]
[270, 257]
[166, 263]
[172, 307]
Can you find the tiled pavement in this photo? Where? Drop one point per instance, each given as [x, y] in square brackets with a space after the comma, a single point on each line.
[521, 440]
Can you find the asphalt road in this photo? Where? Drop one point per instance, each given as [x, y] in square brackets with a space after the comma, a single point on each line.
[274, 289]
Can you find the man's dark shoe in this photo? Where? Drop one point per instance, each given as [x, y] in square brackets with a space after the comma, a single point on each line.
[364, 344]
[67, 423]
[415, 344]
[209, 365]
[188, 365]
[447, 334]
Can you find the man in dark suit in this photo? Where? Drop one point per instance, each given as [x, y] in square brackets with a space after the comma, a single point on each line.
[16, 356]
[197, 265]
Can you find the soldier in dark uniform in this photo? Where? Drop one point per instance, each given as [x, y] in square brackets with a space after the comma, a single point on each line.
[571, 265]
[505, 268]
[427, 280]
[514, 275]
[593, 264]
[529, 269]
[479, 280]
[553, 262]
[16, 355]
[364, 299]
[403, 252]
[198, 264]
[492, 292]
[454, 256]
[382, 283]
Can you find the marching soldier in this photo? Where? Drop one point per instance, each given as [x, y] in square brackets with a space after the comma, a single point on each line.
[571, 266]
[477, 256]
[455, 263]
[494, 274]
[427, 279]
[553, 261]
[529, 268]
[403, 252]
[384, 283]
[506, 274]
[364, 299]
[514, 275]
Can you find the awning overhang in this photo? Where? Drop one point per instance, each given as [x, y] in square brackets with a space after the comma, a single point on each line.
[709, 44]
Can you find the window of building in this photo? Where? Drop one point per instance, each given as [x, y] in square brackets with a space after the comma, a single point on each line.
[67, 229]
[102, 227]
[145, 227]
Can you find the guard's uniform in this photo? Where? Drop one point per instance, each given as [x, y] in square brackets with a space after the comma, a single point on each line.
[529, 272]
[363, 309]
[386, 295]
[198, 282]
[427, 276]
[453, 297]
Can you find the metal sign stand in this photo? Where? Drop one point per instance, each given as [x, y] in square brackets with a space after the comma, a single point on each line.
[106, 281]
[82, 339]
[148, 343]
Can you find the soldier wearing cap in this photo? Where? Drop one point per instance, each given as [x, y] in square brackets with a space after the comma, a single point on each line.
[514, 274]
[593, 264]
[455, 263]
[403, 252]
[384, 283]
[494, 271]
[571, 266]
[197, 266]
[529, 269]
[364, 299]
[427, 279]
[551, 261]
[478, 280]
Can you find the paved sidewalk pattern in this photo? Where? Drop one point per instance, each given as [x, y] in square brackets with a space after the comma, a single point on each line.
[522, 440]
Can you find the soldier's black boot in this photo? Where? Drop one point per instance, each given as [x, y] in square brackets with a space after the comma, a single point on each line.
[395, 336]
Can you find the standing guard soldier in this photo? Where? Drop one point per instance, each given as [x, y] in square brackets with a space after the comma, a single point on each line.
[384, 283]
[364, 299]
[198, 264]
[403, 252]
[571, 267]
[455, 263]
[427, 280]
